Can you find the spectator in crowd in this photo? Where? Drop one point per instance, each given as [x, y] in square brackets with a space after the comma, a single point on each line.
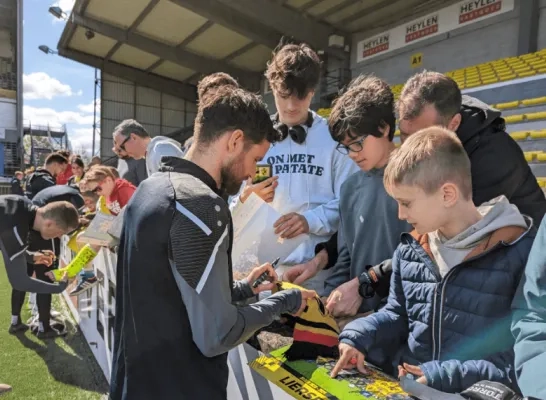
[41, 325]
[362, 121]
[117, 192]
[498, 165]
[174, 276]
[64, 176]
[78, 171]
[130, 169]
[42, 178]
[131, 138]
[95, 160]
[454, 277]
[210, 83]
[308, 170]
[17, 183]
[529, 321]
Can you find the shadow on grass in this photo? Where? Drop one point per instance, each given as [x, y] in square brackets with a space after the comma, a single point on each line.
[70, 369]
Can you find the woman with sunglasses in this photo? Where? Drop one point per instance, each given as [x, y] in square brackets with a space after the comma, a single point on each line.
[78, 170]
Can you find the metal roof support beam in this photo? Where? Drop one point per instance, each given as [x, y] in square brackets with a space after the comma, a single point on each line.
[223, 13]
[230, 18]
[152, 81]
[284, 20]
[176, 55]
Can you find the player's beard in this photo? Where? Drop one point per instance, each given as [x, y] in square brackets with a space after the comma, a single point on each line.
[232, 178]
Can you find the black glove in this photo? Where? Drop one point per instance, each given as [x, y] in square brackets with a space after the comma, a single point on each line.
[487, 390]
[376, 280]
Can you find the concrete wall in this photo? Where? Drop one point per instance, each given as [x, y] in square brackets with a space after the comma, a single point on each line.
[487, 40]
[541, 42]
[158, 112]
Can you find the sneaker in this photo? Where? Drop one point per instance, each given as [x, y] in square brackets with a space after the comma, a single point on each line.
[85, 283]
[4, 388]
[55, 315]
[17, 328]
[50, 333]
[59, 326]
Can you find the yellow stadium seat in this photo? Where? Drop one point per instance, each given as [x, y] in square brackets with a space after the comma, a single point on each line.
[397, 132]
[508, 105]
[536, 116]
[526, 74]
[534, 102]
[539, 134]
[512, 119]
[541, 157]
[520, 135]
[507, 77]
[529, 156]
[541, 182]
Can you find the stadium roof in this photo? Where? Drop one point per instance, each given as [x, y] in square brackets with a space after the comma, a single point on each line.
[169, 44]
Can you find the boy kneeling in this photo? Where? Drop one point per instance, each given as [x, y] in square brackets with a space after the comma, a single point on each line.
[447, 320]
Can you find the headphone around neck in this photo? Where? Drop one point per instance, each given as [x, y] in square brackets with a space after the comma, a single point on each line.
[298, 133]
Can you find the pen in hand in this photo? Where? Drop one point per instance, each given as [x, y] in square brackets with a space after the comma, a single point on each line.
[263, 277]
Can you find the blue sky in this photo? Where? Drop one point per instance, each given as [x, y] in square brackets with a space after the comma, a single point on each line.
[56, 90]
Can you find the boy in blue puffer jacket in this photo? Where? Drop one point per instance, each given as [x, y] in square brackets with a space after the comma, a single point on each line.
[447, 319]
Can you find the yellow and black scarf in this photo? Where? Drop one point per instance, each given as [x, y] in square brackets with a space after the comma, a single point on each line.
[315, 331]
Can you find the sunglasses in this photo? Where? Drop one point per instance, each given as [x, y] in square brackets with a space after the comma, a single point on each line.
[97, 189]
[122, 145]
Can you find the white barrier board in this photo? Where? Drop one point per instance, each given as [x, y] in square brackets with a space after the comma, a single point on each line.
[94, 311]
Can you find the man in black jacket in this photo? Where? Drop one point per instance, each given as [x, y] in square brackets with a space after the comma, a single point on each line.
[497, 162]
[43, 328]
[45, 177]
[175, 317]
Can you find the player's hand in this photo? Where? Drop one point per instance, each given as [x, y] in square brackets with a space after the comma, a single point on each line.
[305, 295]
[269, 284]
[84, 222]
[45, 257]
[345, 300]
[416, 371]
[264, 189]
[302, 272]
[291, 225]
[349, 358]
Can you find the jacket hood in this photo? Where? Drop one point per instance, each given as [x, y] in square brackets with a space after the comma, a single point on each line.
[502, 223]
[476, 116]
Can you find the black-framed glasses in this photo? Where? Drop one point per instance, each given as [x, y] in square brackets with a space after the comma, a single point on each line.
[354, 147]
[122, 145]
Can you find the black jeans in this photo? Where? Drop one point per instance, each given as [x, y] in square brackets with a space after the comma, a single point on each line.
[43, 301]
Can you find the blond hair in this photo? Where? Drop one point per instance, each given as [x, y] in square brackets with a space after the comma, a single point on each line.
[97, 173]
[428, 159]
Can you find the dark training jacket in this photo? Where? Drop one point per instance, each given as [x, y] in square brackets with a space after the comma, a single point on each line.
[175, 318]
[16, 220]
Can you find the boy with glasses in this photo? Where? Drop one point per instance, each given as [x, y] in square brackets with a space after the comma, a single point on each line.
[363, 123]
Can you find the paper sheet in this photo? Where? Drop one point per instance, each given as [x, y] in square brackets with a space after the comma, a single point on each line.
[254, 239]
